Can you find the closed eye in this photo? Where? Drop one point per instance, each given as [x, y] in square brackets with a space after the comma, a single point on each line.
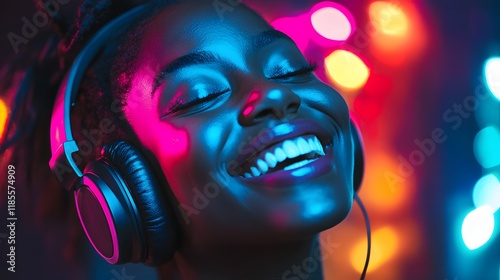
[305, 69]
[180, 105]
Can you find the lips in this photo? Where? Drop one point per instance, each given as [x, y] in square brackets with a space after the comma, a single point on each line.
[285, 147]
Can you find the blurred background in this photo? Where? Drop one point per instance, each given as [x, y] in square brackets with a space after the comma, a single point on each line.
[422, 80]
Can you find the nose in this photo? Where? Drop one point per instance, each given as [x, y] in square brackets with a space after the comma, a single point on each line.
[268, 103]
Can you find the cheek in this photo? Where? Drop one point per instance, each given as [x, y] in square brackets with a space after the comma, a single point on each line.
[166, 141]
[323, 94]
[171, 142]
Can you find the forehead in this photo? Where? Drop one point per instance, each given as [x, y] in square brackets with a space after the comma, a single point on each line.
[185, 27]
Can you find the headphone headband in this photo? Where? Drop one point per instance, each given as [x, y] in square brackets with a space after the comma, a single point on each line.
[62, 144]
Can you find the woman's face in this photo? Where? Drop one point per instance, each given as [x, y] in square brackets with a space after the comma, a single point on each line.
[228, 105]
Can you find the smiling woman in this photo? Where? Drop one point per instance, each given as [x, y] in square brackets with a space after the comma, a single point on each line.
[227, 155]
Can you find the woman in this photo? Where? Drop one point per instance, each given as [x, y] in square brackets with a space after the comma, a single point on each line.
[253, 152]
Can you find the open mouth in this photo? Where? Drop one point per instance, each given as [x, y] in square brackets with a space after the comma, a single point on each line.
[285, 155]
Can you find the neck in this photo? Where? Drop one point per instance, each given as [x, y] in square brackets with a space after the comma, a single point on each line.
[294, 261]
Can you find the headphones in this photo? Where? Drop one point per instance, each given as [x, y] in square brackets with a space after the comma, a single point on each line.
[120, 203]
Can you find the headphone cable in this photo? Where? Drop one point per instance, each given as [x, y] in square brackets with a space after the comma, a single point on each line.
[368, 233]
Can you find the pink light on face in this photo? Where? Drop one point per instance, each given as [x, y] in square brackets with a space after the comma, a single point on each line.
[175, 141]
[165, 139]
[253, 96]
[247, 111]
[331, 23]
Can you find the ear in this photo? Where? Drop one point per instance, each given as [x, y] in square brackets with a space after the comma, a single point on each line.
[359, 160]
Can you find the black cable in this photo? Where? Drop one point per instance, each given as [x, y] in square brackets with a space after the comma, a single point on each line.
[368, 234]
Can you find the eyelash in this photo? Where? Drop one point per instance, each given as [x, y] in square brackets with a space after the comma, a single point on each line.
[179, 105]
[311, 66]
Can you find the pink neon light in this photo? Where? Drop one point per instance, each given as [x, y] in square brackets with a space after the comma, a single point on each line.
[296, 28]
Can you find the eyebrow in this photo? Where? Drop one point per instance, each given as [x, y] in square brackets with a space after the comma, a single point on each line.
[266, 38]
[205, 57]
[195, 58]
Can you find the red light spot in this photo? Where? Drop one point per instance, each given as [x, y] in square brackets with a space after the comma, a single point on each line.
[367, 107]
[378, 86]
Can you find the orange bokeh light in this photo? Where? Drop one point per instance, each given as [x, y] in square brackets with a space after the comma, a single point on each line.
[4, 113]
[398, 33]
[384, 187]
[385, 245]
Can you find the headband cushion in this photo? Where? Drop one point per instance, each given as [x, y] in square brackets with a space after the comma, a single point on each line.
[158, 221]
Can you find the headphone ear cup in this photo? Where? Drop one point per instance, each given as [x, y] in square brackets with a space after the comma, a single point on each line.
[157, 220]
[108, 214]
[359, 160]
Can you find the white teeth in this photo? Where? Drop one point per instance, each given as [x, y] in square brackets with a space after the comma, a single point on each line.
[262, 166]
[319, 146]
[312, 144]
[271, 160]
[280, 154]
[255, 171]
[290, 149]
[303, 146]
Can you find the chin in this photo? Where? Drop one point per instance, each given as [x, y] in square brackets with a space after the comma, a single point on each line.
[318, 221]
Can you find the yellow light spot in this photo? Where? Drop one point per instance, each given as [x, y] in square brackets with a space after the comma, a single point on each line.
[385, 245]
[3, 117]
[388, 18]
[346, 69]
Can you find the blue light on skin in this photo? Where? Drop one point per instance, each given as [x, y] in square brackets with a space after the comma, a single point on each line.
[213, 135]
[274, 94]
[282, 129]
[316, 205]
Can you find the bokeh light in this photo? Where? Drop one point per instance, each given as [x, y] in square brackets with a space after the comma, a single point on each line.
[3, 117]
[295, 28]
[492, 75]
[385, 188]
[477, 227]
[332, 23]
[487, 147]
[487, 192]
[346, 70]
[396, 32]
[388, 18]
[385, 243]
[488, 114]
